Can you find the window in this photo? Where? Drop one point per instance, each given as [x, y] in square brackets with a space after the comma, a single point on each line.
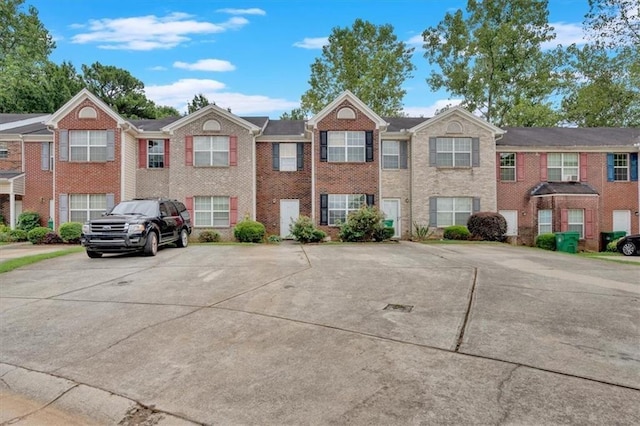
[4, 150]
[211, 151]
[84, 207]
[453, 211]
[288, 157]
[576, 221]
[346, 146]
[562, 167]
[88, 145]
[545, 222]
[340, 205]
[508, 166]
[211, 212]
[453, 152]
[390, 154]
[620, 167]
[155, 154]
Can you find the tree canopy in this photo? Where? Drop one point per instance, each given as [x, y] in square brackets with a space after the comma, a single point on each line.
[199, 101]
[366, 59]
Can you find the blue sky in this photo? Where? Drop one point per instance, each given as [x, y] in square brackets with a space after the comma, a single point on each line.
[251, 56]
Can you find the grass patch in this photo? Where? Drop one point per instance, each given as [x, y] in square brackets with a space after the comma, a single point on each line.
[19, 262]
[610, 257]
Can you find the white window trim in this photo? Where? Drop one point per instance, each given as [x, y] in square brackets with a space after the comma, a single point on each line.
[626, 167]
[293, 158]
[346, 146]
[397, 156]
[87, 146]
[574, 224]
[565, 176]
[453, 212]
[155, 154]
[549, 224]
[88, 208]
[347, 209]
[503, 167]
[455, 151]
[212, 151]
[211, 212]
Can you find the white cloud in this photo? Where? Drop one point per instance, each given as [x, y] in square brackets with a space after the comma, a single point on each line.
[430, 110]
[206, 65]
[312, 43]
[250, 11]
[416, 40]
[181, 92]
[150, 32]
[566, 33]
[158, 68]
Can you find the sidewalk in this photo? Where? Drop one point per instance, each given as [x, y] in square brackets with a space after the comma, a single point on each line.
[15, 250]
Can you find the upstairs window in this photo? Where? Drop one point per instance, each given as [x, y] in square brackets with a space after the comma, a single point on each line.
[508, 166]
[453, 152]
[4, 150]
[562, 167]
[155, 154]
[346, 146]
[211, 151]
[620, 167]
[390, 154]
[288, 157]
[88, 145]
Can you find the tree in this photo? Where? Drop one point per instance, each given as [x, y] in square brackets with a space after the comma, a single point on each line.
[166, 111]
[492, 57]
[295, 114]
[366, 59]
[199, 101]
[614, 23]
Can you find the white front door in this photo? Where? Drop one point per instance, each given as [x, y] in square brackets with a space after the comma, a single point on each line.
[512, 221]
[622, 221]
[289, 212]
[391, 210]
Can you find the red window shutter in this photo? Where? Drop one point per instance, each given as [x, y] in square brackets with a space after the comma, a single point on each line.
[188, 203]
[520, 166]
[166, 153]
[233, 210]
[588, 223]
[543, 167]
[498, 166]
[583, 167]
[188, 150]
[233, 150]
[564, 220]
[142, 153]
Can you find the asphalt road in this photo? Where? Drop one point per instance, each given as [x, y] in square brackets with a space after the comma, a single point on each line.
[323, 334]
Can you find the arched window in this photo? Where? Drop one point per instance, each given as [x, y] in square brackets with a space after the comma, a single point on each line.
[88, 112]
[346, 114]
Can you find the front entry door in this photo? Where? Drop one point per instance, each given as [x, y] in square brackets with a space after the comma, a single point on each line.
[622, 221]
[391, 210]
[289, 212]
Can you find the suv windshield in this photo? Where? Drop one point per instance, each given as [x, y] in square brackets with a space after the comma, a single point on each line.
[141, 207]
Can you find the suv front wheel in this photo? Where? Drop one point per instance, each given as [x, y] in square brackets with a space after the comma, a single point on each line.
[151, 246]
[183, 241]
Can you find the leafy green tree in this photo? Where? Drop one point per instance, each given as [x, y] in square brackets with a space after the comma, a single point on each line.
[199, 101]
[295, 114]
[366, 59]
[492, 57]
[60, 83]
[614, 23]
[166, 111]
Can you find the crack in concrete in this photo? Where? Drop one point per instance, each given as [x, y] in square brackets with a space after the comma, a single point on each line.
[501, 391]
[468, 311]
[24, 416]
[553, 290]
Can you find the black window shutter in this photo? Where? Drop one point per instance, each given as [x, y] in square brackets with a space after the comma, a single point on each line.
[433, 160]
[275, 150]
[368, 139]
[475, 152]
[404, 158]
[324, 209]
[370, 199]
[433, 211]
[323, 145]
[300, 156]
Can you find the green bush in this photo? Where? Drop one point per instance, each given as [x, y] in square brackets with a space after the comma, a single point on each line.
[249, 231]
[4, 228]
[456, 232]
[70, 232]
[383, 234]
[546, 241]
[209, 236]
[362, 225]
[421, 232]
[36, 235]
[304, 231]
[28, 220]
[52, 238]
[611, 246]
[17, 235]
[274, 239]
[487, 226]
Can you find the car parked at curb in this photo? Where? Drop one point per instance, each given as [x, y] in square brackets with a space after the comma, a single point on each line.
[629, 245]
[138, 225]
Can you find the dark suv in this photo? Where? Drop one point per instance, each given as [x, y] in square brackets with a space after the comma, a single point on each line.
[139, 225]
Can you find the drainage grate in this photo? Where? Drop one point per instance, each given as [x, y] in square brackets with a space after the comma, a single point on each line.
[399, 308]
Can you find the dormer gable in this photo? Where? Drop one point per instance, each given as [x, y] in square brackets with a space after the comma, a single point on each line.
[90, 106]
[212, 124]
[347, 106]
[456, 117]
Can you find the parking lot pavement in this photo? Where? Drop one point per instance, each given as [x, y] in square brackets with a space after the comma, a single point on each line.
[280, 334]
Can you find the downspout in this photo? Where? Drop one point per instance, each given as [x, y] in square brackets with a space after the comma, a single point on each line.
[254, 177]
[313, 176]
[122, 165]
[54, 213]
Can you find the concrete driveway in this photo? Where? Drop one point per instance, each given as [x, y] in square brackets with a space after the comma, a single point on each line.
[323, 334]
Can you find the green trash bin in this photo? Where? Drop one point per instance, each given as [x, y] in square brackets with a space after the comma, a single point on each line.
[567, 241]
[388, 223]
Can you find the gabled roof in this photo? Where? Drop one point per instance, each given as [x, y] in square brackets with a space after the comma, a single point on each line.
[563, 188]
[9, 121]
[285, 128]
[206, 110]
[29, 129]
[79, 98]
[569, 136]
[459, 111]
[348, 96]
[153, 124]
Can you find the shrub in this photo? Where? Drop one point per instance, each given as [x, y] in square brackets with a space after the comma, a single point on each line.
[52, 238]
[4, 228]
[249, 231]
[36, 235]
[546, 241]
[362, 225]
[611, 246]
[209, 236]
[456, 232]
[274, 239]
[17, 235]
[383, 234]
[70, 232]
[28, 220]
[304, 231]
[487, 226]
[421, 232]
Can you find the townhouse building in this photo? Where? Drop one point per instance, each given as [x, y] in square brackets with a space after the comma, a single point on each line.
[78, 162]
